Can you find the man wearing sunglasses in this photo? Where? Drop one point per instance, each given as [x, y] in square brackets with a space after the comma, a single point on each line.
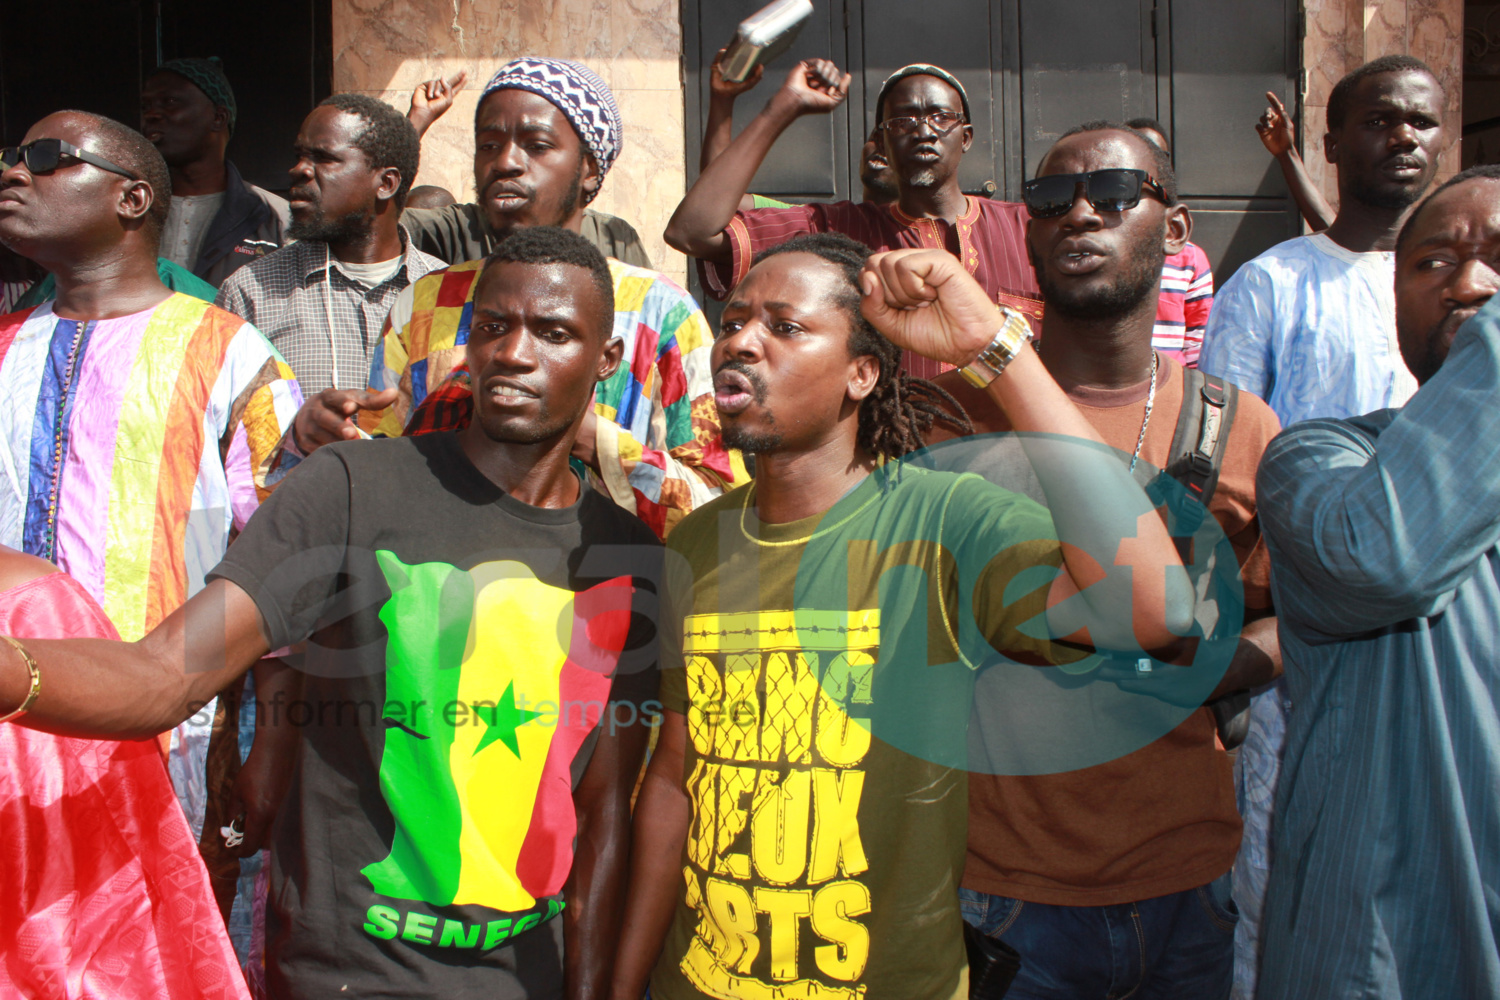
[143, 424]
[923, 123]
[1113, 880]
[46, 155]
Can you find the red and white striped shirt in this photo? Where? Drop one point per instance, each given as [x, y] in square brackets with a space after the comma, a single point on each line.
[1187, 296]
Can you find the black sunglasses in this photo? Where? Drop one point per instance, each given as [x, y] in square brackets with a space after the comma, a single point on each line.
[45, 155]
[1114, 190]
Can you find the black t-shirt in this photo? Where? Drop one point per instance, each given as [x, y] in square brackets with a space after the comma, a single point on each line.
[463, 652]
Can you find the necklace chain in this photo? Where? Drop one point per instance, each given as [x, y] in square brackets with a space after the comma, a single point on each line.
[745, 506]
[744, 530]
[1146, 420]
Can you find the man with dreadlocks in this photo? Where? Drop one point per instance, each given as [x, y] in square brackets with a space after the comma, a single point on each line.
[801, 828]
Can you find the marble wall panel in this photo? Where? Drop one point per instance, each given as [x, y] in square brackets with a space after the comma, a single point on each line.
[1386, 27]
[1314, 125]
[1435, 35]
[448, 147]
[1329, 50]
[387, 47]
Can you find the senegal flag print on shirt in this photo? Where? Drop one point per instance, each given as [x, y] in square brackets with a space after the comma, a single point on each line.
[494, 681]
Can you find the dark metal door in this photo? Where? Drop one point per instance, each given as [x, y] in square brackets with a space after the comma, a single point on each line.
[278, 55]
[92, 54]
[1224, 56]
[953, 34]
[1034, 69]
[811, 160]
[1082, 60]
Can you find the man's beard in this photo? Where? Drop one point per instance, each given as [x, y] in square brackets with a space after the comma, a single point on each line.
[320, 229]
[1395, 198]
[878, 180]
[575, 192]
[566, 206]
[1435, 348]
[880, 187]
[925, 178]
[1427, 365]
[1141, 274]
[751, 442]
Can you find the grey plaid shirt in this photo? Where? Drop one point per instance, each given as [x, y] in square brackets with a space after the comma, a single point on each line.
[288, 296]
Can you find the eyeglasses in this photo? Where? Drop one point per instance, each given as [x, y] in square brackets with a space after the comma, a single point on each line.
[1113, 190]
[942, 123]
[46, 155]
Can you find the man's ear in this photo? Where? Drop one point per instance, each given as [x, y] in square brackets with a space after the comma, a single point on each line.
[221, 119]
[1030, 251]
[1179, 228]
[968, 137]
[609, 361]
[136, 199]
[1330, 147]
[388, 184]
[864, 372]
[592, 179]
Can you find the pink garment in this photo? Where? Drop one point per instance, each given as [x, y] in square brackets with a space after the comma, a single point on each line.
[1187, 297]
[102, 892]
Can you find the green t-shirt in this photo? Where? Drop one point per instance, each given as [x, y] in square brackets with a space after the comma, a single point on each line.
[174, 276]
[827, 709]
[761, 201]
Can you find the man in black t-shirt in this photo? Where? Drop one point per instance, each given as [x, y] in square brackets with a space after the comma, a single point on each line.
[476, 698]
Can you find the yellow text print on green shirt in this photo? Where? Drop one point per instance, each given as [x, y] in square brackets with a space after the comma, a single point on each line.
[776, 787]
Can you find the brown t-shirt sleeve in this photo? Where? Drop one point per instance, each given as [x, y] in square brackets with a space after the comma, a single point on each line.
[1233, 504]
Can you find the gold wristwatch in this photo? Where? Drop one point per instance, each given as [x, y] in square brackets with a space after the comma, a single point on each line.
[1013, 335]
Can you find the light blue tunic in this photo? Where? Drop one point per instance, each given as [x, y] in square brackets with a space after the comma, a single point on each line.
[1310, 327]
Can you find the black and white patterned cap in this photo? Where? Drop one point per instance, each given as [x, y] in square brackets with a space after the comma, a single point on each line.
[578, 92]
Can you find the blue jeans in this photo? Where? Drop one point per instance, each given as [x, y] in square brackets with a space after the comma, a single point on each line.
[1177, 946]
